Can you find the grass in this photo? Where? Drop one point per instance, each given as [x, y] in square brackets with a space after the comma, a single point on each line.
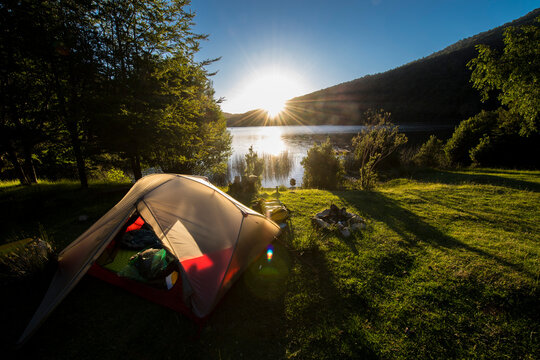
[448, 267]
[56, 206]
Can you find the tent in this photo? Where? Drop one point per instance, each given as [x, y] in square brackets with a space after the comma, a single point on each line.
[211, 236]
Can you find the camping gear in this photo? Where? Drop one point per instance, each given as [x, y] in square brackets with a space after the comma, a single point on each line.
[139, 239]
[150, 264]
[273, 209]
[340, 219]
[212, 237]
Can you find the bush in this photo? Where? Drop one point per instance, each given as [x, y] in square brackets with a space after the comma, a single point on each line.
[480, 154]
[378, 140]
[351, 164]
[492, 139]
[254, 164]
[322, 167]
[24, 259]
[467, 135]
[116, 175]
[112, 174]
[248, 185]
[430, 154]
[407, 155]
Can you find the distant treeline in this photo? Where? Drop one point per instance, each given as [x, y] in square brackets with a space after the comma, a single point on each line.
[89, 88]
[432, 90]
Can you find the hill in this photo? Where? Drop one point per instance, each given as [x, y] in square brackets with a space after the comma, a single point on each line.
[431, 90]
[257, 117]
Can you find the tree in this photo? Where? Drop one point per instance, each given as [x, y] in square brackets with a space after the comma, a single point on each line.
[374, 143]
[491, 138]
[515, 73]
[161, 99]
[322, 167]
[192, 135]
[431, 153]
[25, 91]
[49, 62]
[82, 79]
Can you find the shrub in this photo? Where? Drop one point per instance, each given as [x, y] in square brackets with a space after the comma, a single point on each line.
[351, 164]
[430, 154]
[250, 182]
[467, 135]
[378, 140]
[322, 167]
[407, 155]
[492, 139]
[24, 259]
[481, 152]
[254, 164]
[116, 175]
[112, 174]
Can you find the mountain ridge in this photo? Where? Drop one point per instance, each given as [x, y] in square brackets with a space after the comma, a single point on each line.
[434, 90]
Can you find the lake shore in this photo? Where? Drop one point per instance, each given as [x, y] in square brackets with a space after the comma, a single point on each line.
[293, 142]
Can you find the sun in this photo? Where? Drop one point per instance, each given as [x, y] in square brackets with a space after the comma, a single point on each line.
[269, 89]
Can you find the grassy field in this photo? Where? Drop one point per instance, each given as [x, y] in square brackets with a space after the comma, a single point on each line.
[448, 267]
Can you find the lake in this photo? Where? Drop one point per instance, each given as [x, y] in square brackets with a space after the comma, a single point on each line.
[284, 147]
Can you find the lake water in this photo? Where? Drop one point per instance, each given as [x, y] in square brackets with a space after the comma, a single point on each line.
[284, 147]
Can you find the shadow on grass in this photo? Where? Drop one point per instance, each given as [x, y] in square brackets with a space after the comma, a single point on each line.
[56, 207]
[412, 228]
[323, 322]
[452, 178]
[98, 320]
[277, 309]
[102, 321]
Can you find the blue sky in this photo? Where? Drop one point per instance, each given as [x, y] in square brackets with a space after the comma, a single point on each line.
[323, 43]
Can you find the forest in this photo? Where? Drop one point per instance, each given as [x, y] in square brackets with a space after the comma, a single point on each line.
[88, 87]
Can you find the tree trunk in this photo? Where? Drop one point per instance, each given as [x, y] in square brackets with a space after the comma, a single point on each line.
[29, 169]
[74, 135]
[12, 155]
[136, 166]
[76, 143]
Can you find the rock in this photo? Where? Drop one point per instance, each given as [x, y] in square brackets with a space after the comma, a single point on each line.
[345, 232]
[358, 226]
[321, 223]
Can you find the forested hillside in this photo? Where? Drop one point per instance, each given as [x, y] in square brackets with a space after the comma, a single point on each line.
[435, 89]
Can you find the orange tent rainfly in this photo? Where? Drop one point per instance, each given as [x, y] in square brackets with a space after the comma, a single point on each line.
[173, 239]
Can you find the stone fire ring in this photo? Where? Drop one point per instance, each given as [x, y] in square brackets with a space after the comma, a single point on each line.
[345, 223]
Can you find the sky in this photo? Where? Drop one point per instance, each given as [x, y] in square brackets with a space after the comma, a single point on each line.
[273, 50]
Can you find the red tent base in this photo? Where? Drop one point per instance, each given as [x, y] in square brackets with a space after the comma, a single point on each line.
[169, 298]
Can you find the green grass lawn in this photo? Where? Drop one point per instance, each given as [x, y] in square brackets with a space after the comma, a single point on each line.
[448, 267]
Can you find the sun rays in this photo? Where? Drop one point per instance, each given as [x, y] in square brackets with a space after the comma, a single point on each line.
[268, 89]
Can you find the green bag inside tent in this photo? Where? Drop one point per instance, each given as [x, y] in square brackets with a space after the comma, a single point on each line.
[146, 265]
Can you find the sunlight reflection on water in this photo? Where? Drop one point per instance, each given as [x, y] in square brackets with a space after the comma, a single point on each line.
[282, 147]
